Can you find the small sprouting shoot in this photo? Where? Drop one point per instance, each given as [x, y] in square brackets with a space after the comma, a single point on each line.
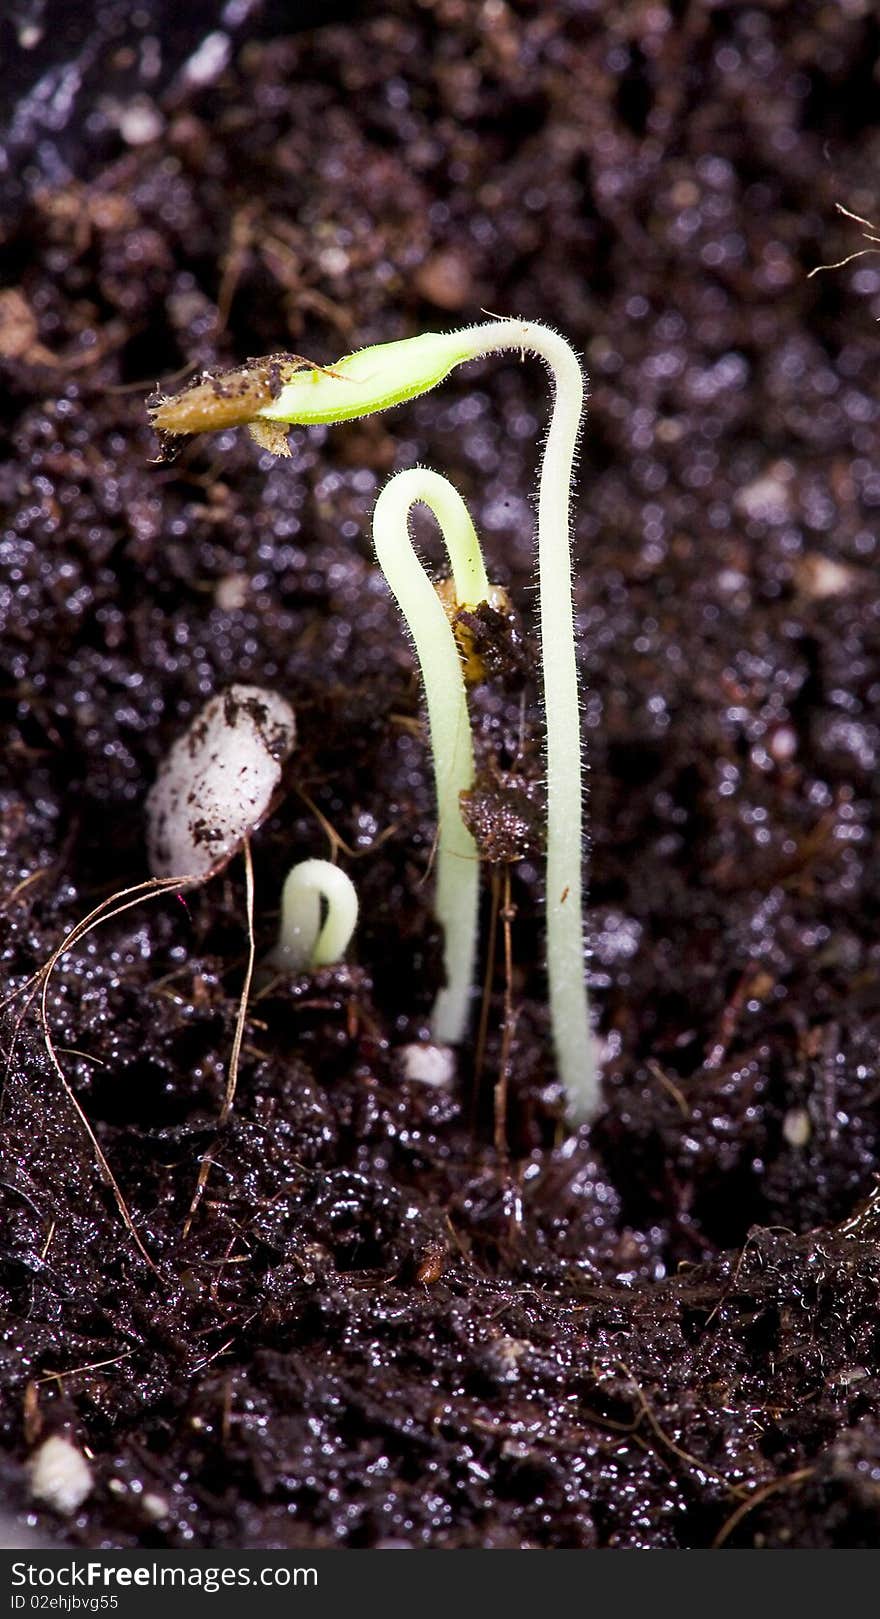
[218, 781]
[319, 912]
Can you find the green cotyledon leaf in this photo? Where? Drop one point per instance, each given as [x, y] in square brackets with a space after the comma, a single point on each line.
[371, 379]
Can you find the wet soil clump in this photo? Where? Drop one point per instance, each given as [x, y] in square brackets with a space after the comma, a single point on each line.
[391, 1320]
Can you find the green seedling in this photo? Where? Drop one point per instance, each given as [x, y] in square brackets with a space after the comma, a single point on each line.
[306, 938]
[458, 863]
[387, 374]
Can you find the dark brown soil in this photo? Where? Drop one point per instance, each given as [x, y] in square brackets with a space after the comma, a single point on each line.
[377, 1330]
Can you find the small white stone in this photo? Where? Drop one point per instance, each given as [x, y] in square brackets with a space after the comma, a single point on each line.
[850, 1375]
[796, 1127]
[231, 592]
[209, 60]
[60, 1475]
[768, 497]
[822, 578]
[783, 744]
[504, 1356]
[428, 1065]
[139, 122]
[333, 260]
[731, 581]
[217, 782]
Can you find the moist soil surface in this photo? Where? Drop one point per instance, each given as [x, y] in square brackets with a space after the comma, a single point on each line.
[398, 1315]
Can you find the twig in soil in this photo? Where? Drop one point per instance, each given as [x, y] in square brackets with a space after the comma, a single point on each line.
[26, 882]
[79, 1371]
[757, 1496]
[733, 1283]
[677, 1450]
[730, 1017]
[228, 1259]
[25, 1196]
[201, 1364]
[38, 984]
[508, 1025]
[235, 1054]
[44, 1254]
[669, 1085]
[860, 252]
[99, 913]
[485, 1005]
[241, 236]
[335, 840]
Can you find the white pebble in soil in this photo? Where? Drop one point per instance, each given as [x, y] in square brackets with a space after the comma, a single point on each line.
[60, 1476]
[428, 1065]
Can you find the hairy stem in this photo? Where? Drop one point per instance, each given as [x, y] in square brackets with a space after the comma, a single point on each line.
[458, 867]
[566, 966]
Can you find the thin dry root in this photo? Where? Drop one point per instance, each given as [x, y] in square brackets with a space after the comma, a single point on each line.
[38, 985]
[861, 252]
[235, 1054]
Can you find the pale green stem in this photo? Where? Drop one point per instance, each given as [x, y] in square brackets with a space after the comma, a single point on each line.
[457, 859]
[566, 966]
[304, 941]
[385, 375]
